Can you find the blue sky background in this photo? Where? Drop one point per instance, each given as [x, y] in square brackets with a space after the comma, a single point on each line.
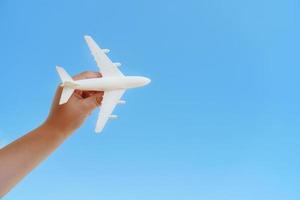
[220, 120]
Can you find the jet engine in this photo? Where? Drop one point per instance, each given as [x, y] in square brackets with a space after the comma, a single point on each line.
[113, 117]
[117, 64]
[121, 102]
[106, 50]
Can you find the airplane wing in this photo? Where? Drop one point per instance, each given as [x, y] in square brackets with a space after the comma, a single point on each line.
[109, 102]
[106, 66]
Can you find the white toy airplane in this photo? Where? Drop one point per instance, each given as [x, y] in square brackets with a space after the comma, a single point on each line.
[112, 82]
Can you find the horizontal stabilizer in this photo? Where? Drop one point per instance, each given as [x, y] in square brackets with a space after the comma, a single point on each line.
[65, 95]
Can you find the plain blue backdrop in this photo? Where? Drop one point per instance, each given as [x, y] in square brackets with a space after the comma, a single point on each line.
[220, 120]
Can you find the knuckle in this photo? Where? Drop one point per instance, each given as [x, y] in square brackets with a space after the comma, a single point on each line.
[87, 74]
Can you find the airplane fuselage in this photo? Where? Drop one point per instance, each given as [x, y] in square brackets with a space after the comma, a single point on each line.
[110, 83]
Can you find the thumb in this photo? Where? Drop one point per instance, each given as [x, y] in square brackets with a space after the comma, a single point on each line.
[93, 101]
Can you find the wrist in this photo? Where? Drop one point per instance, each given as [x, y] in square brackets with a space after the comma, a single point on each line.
[53, 129]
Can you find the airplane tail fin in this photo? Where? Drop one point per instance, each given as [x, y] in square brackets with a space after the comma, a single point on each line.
[67, 84]
[64, 76]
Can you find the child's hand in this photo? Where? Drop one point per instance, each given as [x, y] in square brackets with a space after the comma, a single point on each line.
[68, 117]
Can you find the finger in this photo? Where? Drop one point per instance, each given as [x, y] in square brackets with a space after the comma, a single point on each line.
[78, 92]
[86, 75]
[92, 102]
[77, 95]
[86, 94]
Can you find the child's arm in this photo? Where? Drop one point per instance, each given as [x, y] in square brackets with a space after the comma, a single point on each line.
[20, 157]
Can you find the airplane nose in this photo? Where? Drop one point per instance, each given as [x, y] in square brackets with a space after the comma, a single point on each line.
[138, 81]
[147, 81]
